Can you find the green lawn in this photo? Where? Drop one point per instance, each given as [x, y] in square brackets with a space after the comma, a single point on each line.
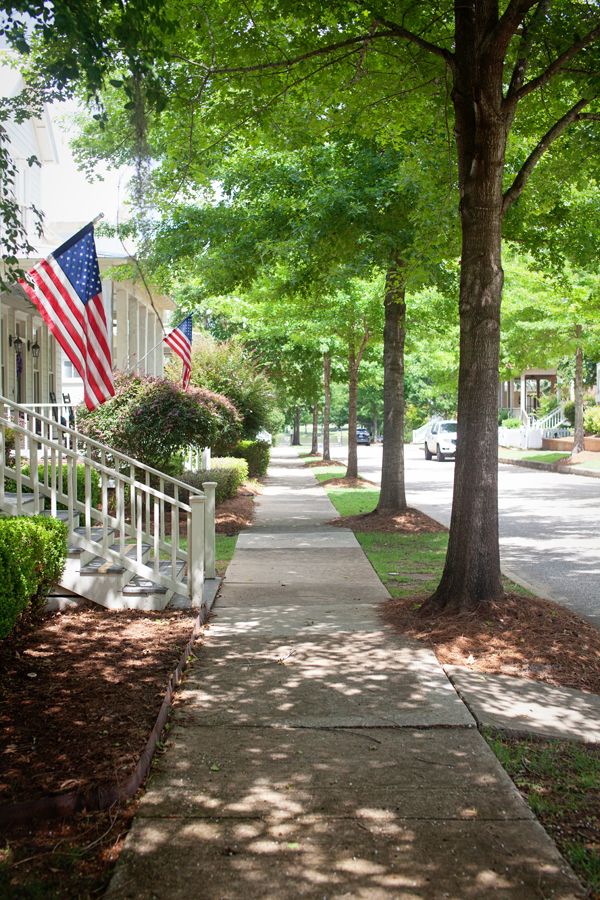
[225, 547]
[324, 473]
[561, 782]
[409, 565]
[543, 456]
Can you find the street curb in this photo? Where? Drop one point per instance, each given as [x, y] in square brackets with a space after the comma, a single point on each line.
[548, 467]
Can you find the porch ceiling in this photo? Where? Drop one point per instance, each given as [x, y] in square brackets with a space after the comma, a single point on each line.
[16, 299]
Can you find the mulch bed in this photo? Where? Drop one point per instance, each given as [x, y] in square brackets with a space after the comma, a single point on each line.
[80, 695]
[232, 516]
[349, 483]
[522, 636]
[321, 463]
[412, 521]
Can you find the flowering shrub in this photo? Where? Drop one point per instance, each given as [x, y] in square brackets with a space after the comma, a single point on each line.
[154, 421]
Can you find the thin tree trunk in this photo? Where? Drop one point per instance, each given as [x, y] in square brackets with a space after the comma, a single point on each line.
[296, 428]
[314, 449]
[354, 361]
[471, 578]
[352, 469]
[326, 406]
[374, 427]
[578, 436]
[392, 496]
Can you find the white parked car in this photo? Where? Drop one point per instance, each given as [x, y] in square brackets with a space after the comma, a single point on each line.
[440, 440]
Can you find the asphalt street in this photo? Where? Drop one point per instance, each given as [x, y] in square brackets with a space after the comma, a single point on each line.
[549, 530]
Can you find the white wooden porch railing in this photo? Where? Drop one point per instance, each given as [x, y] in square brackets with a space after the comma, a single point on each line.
[142, 517]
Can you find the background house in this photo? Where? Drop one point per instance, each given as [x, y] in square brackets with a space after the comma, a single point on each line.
[33, 368]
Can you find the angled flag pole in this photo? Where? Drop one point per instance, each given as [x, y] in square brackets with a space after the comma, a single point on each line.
[67, 290]
[180, 341]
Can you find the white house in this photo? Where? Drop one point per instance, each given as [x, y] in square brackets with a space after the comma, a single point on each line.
[33, 369]
[126, 550]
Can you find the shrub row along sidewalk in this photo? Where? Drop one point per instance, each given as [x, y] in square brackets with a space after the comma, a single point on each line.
[317, 752]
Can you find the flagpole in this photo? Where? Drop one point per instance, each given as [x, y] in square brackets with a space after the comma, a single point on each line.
[97, 219]
[140, 361]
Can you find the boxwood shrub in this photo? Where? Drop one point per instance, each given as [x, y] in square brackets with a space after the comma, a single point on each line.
[591, 420]
[256, 454]
[10, 485]
[33, 550]
[228, 472]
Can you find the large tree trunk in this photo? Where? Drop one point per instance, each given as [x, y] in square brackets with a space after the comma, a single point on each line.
[314, 448]
[296, 428]
[578, 436]
[352, 469]
[326, 406]
[392, 496]
[471, 577]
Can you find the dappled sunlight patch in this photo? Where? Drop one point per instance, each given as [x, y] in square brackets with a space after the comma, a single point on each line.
[521, 636]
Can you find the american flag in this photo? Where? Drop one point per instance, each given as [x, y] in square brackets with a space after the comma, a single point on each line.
[67, 290]
[180, 340]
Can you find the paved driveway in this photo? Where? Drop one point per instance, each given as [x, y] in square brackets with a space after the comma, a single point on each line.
[549, 523]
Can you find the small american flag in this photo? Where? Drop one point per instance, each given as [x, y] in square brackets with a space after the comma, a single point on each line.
[67, 290]
[180, 340]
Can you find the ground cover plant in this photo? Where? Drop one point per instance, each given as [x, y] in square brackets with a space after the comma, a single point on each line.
[561, 782]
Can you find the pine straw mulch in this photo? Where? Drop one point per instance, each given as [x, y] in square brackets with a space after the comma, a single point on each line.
[412, 521]
[233, 516]
[332, 463]
[348, 483]
[80, 695]
[519, 635]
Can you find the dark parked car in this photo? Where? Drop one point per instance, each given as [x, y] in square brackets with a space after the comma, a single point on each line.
[363, 436]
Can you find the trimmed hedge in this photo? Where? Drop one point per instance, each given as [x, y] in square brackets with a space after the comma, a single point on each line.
[9, 484]
[229, 474]
[256, 453]
[591, 420]
[512, 423]
[33, 550]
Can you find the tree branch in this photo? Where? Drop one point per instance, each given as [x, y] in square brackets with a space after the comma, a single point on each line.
[522, 176]
[413, 38]
[506, 26]
[520, 67]
[558, 63]
[295, 60]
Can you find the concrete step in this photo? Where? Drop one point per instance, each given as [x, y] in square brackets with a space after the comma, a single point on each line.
[143, 586]
[98, 565]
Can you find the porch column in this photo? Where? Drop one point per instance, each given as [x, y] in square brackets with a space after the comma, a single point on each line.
[134, 349]
[523, 394]
[142, 339]
[121, 303]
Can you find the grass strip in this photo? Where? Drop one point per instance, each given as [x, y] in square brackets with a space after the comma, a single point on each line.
[409, 565]
[224, 550]
[561, 782]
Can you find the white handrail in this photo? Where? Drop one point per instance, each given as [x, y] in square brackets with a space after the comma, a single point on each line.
[140, 531]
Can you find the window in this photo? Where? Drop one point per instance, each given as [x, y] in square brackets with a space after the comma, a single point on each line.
[68, 369]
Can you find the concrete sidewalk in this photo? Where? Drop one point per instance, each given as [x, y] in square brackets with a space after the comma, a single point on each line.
[317, 754]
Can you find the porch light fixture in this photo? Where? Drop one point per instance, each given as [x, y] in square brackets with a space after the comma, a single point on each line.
[15, 342]
[35, 350]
